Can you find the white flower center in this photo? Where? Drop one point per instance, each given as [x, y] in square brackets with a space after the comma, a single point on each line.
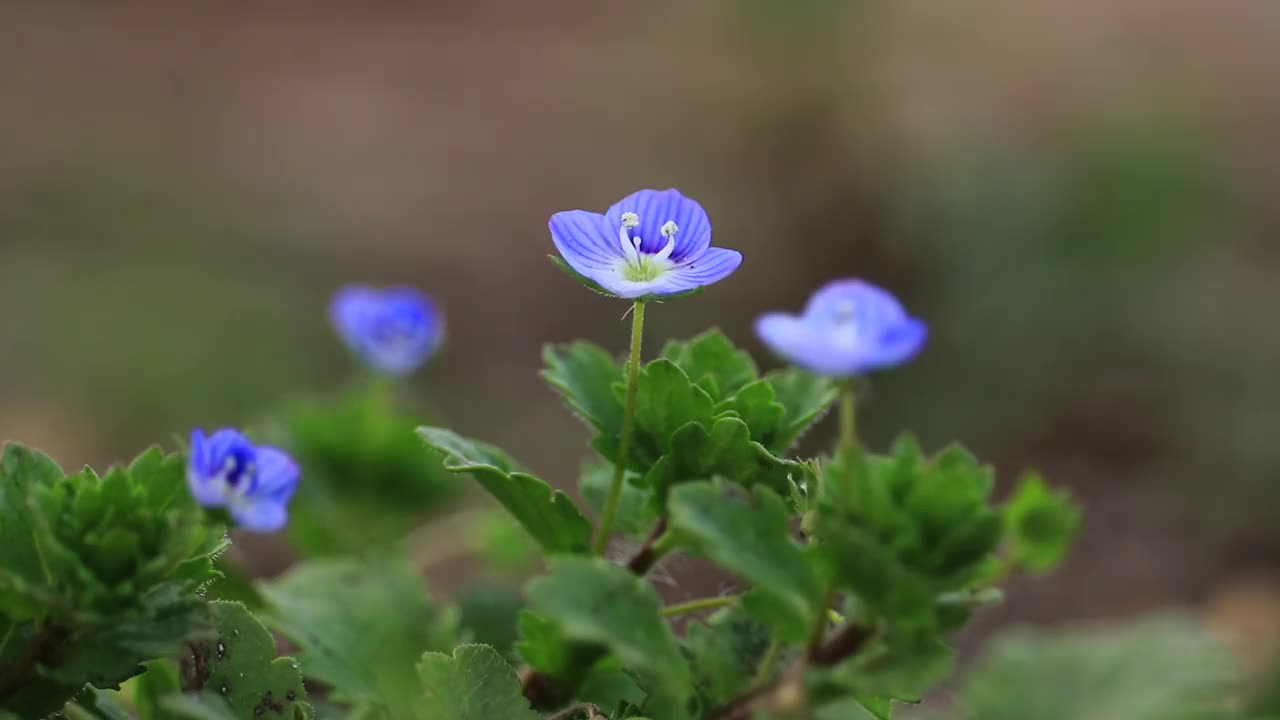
[641, 266]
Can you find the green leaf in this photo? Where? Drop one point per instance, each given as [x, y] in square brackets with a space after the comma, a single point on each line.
[1160, 667]
[899, 531]
[1040, 523]
[806, 398]
[474, 684]
[666, 401]
[24, 579]
[712, 362]
[755, 404]
[361, 626]
[584, 375]
[724, 653]
[544, 647]
[240, 665]
[150, 689]
[726, 451]
[198, 706]
[750, 534]
[635, 514]
[94, 704]
[548, 515]
[61, 659]
[593, 601]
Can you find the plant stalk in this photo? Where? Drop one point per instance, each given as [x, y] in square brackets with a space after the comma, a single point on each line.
[628, 428]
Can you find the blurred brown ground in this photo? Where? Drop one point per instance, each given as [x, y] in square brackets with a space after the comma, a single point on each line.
[1078, 196]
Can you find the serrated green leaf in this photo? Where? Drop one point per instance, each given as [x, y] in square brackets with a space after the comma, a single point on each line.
[240, 666]
[549, 516]
[1040, 523]
[806, 398]
[474, 684]
[712, 362]
[197, 706]
[360, 626]
[153, 687]
[899, 531]
[591, 600]
[750, 534]
[635, 515]
[725, 450]
[584, 374]
[756, 405]
[666, 401]
[94, 704]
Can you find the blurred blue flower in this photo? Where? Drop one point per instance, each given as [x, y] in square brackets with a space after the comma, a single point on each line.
[651, 243]
[393, 331]
[849, 327]
[253, 483]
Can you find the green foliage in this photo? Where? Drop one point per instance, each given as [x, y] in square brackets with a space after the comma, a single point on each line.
[702, 412]
[635, 513]
[902, 530]
[724, 652]
[584, 375]
[1157, 668]
[97, 574]
[237, 672]
[1041, 523]
[367, 481]
[361, 625]
[474, 684]
[595, 602]
[749, 534]
[548, 515]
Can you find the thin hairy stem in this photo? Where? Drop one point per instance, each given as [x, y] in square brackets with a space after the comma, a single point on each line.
[628, 428]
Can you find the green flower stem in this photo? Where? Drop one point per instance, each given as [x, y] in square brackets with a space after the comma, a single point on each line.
[628, 427]
[699, 605]
[848, 419]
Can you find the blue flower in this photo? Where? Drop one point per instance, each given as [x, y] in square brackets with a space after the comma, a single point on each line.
[651, 243]
[253, 483]
[849, 327]
[393, 331]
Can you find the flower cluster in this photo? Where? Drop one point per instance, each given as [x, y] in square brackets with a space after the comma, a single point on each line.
[650, 244]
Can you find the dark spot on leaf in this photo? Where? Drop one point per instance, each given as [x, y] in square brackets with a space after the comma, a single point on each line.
[224, 688]
[222, 650]
[289, 695]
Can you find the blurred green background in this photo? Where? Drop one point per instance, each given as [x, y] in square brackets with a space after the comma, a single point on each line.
[1078, 197]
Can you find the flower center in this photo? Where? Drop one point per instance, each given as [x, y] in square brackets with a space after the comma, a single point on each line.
[239, 470]
[641, 266]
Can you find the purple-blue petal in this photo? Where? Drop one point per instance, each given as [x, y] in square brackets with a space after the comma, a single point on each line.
[393, 331]
[277, 475]
[655, 208]
[848, 327]
[263, 516]
[584, 241]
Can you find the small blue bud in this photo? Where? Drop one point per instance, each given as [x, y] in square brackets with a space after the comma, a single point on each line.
[650, 244]
[393, 331]
[848, 328]
[253, 483]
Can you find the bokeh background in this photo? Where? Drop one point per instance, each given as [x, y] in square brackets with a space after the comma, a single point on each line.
[1080, 198]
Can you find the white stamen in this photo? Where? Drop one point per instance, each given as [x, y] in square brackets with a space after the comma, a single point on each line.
[629, 248]
[669, 228]
[630, 220]
[665, 252]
